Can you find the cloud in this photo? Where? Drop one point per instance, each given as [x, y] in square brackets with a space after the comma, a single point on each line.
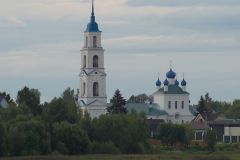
[43, 60]
[173, 43]
[11, 22]
[40, 43]
[174, 3]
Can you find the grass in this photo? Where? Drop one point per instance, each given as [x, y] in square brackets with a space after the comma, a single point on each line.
[228, 155]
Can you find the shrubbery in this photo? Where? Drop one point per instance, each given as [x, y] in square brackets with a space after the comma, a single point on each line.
[58, 127]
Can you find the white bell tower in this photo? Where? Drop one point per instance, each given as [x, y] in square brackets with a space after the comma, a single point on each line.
[92, 95]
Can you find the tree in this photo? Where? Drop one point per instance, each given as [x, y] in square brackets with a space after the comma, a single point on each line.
[128, 132]
[234, 110]
[117, 104]
[28, 136]
[69, 138]
[171, 134]
[30, 97]
[63, 108]
[68, 95]
[202, 106]
[3, 139]
[205, 107]
[58, 110]
[188, 135]
[211, 140]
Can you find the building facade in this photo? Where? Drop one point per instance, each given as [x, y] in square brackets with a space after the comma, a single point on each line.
[3, 102]
[170, 102]
[92, 92]
[173, 99]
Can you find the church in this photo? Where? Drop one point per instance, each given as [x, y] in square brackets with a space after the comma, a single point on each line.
[92, 91]
[170, 102]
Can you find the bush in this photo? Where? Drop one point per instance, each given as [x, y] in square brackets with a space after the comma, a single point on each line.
[104, 148]
[69, 138]
[211, 158]
[227, 147]
[28, 137]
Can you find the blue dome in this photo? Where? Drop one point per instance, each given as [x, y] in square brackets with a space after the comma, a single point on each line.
[183, 83]
[176, 83]
[171, 74]
[92, 25]
[158, 83]
[165, 82]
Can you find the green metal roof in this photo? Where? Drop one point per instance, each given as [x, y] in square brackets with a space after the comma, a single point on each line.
[193, 109]
[148, 109]
[172, 89]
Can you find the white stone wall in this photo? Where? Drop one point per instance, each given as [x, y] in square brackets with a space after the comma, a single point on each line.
[184, 114]
[95, 105]
[89, 53]
[90, 36]
[4, 103]
[232, 131]
[181, 119]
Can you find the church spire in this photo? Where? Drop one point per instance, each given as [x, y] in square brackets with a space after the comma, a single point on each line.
[92, 25]
[92, 7]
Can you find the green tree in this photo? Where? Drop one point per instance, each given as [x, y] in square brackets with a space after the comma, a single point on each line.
[3, 140]
[69, 138]
[63, 108]
[234, 110]
[171, 134]
[30, 97]
[117, 104]
[58, 110]
[28, 136]
[128, 132]
[211, 140]
[188, 135]
[202, 106]
[87, 125]
[205, 107]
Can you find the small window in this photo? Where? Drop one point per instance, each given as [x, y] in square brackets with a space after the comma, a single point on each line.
[84, 89]
[95, 89]
[182, 121]
[182, 104]
[94, 41]
[84, 61]
[169, 104]
[95, 61]
[175, 104]
[86, 42]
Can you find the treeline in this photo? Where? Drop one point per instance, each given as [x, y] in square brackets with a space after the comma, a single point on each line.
[28, 127]
[211, 109]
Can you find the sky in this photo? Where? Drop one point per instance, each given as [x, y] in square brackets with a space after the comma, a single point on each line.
[40, 42]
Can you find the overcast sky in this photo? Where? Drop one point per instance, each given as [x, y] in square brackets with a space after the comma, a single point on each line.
[40, 42]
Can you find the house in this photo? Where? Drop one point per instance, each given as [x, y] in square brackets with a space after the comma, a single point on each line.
[199, 126]
[228, 130]
[3, 102]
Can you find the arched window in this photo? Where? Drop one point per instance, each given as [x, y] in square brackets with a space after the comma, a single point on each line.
[95, 61]
[84, 89]
[95, 89]
[86, 42]
[84, 61]
[94, 41]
